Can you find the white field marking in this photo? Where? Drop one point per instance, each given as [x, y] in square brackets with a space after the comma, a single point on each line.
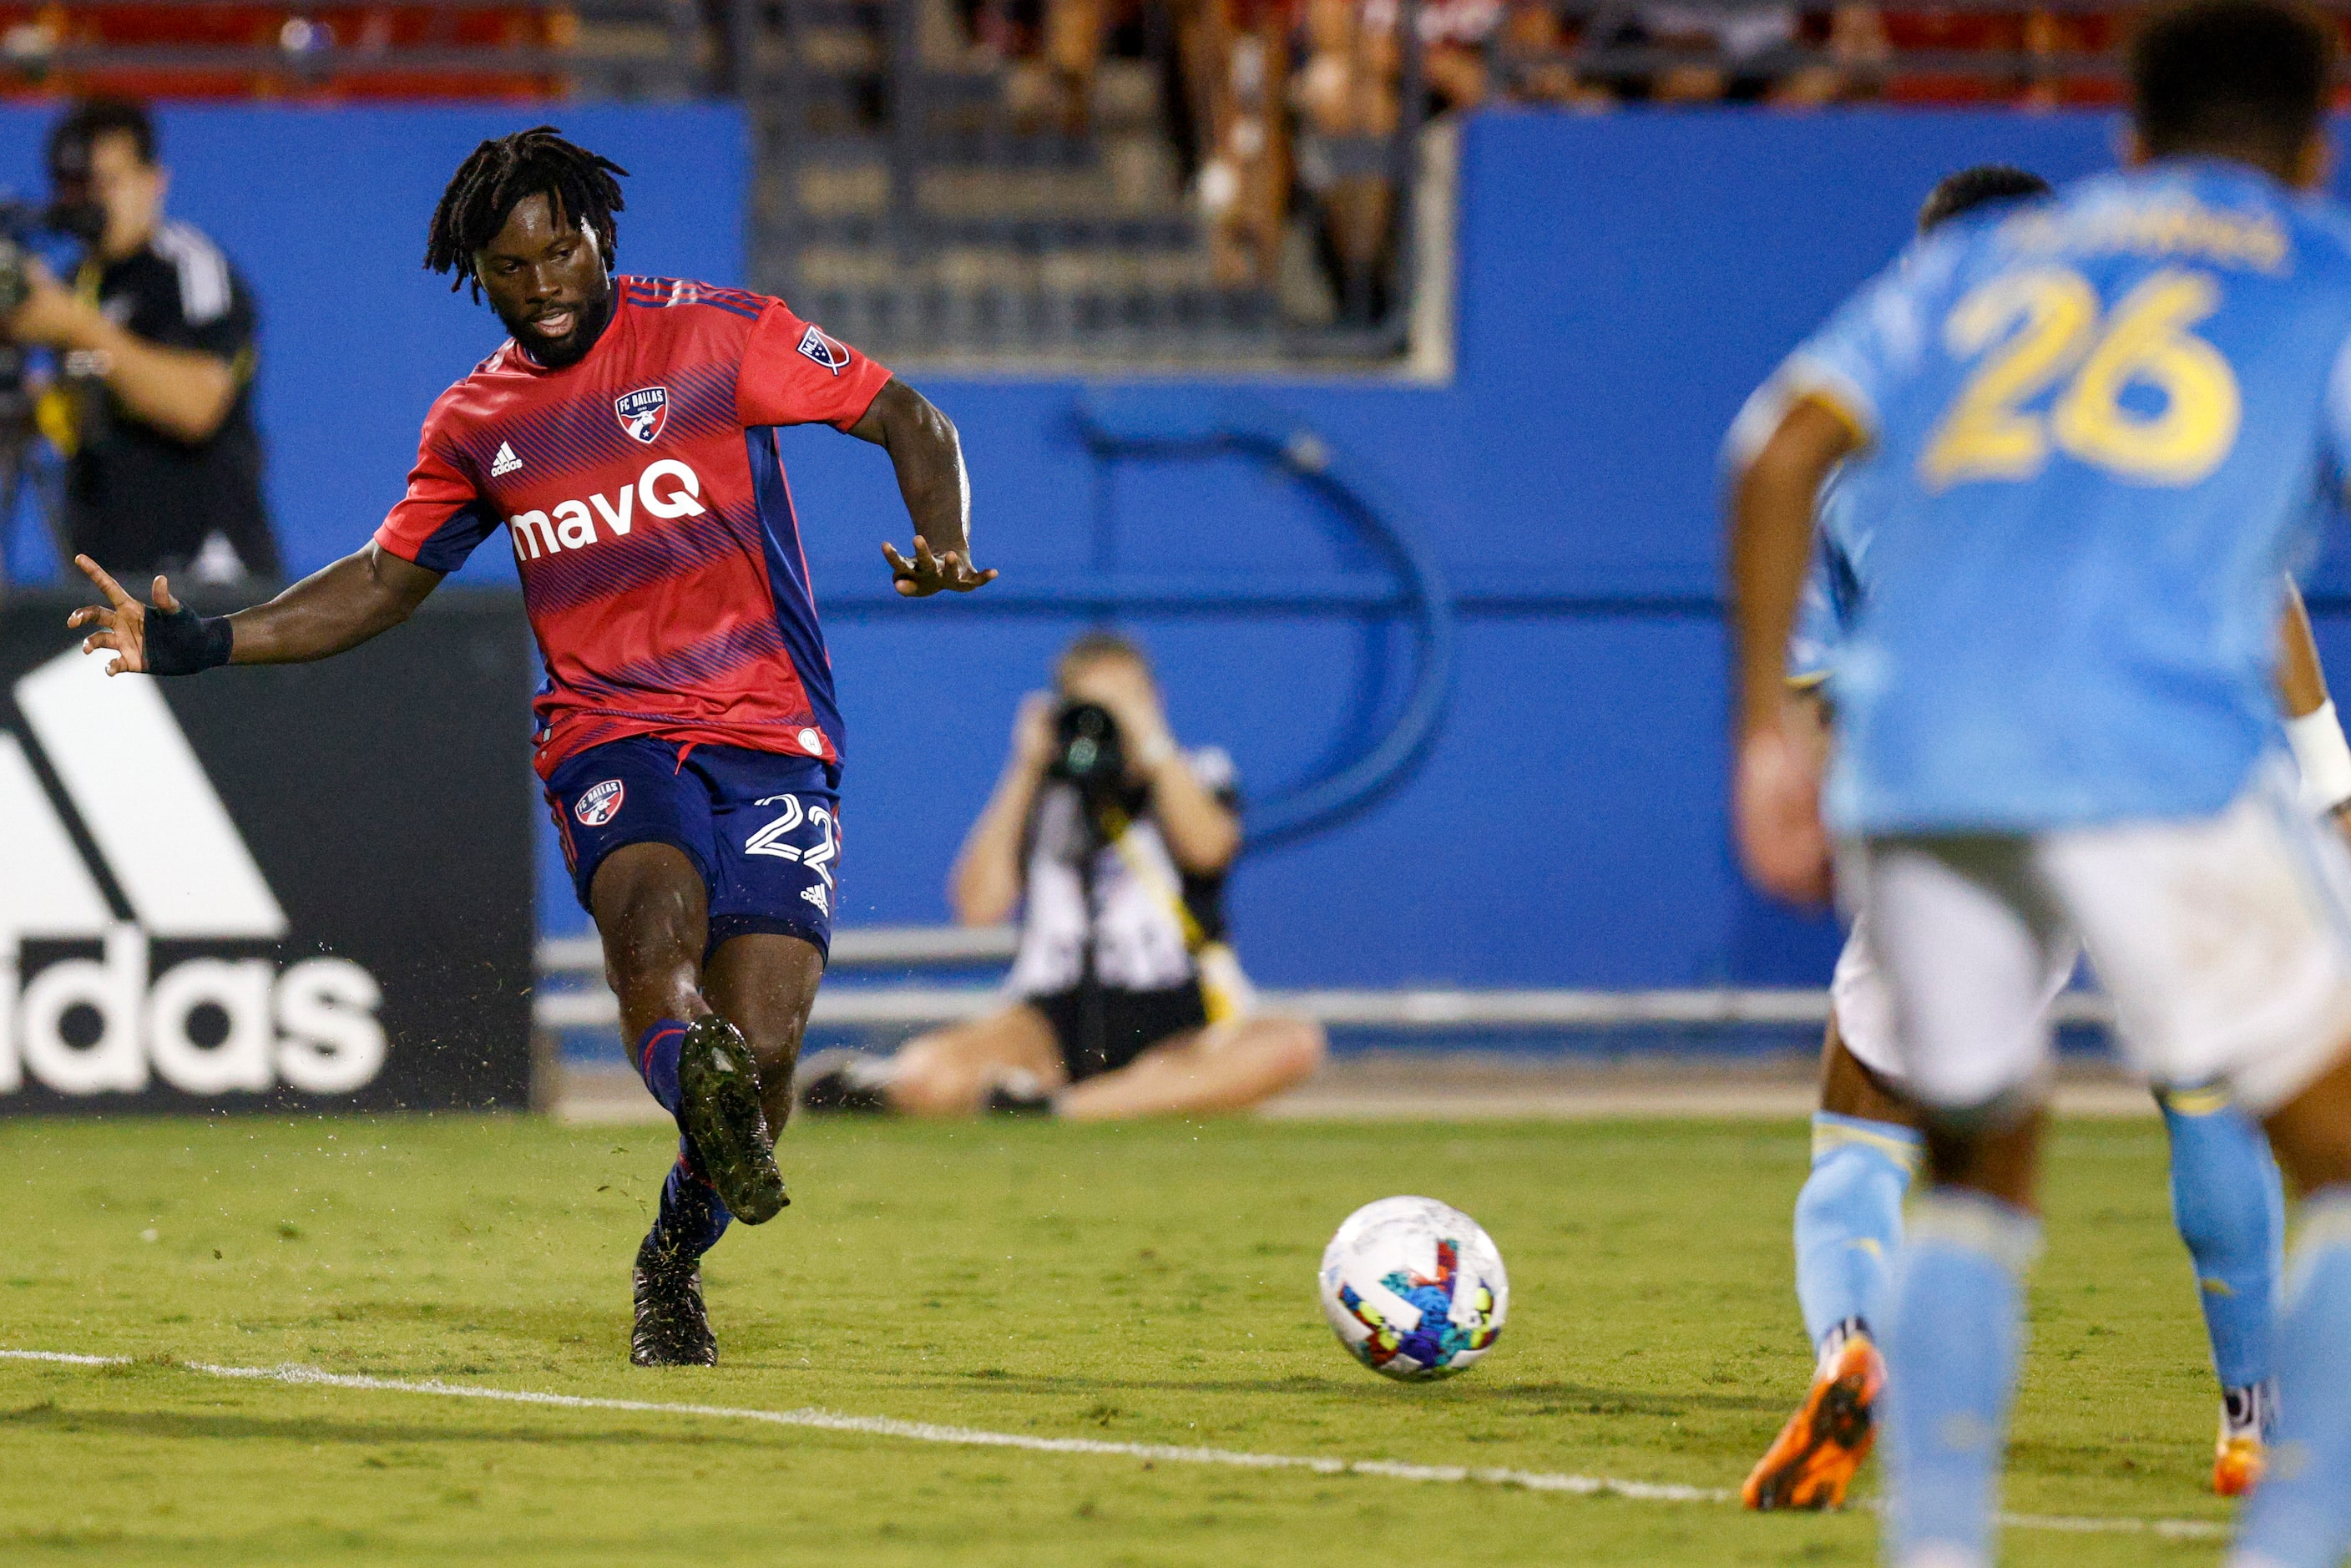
[974, 1437]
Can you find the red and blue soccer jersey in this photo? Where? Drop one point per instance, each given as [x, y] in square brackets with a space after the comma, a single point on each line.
[644, 496]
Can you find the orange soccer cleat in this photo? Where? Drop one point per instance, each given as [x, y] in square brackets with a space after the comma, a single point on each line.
[1818, 1452]
[2238, 1461]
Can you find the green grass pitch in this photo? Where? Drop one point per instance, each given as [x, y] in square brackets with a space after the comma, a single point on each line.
[1148, 1284]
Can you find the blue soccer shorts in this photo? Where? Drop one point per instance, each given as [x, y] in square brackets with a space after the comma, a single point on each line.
[763, 830]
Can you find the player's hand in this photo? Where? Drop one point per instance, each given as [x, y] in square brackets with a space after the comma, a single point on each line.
[50, 316]
[927, 574]
[121, 620]
[1776, 809]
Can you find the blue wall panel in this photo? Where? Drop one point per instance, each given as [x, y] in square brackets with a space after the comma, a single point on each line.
[1625, 281]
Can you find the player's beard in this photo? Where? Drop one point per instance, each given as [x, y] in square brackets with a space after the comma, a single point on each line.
[560, 353]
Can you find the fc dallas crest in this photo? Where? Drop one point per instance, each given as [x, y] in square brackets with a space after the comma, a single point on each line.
[643, 412]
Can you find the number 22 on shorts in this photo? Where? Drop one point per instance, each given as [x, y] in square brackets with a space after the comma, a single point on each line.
[2042, 325]
[769, 840]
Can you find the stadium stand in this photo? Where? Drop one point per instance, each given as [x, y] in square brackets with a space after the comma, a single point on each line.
[420, 49]
[1088, 182]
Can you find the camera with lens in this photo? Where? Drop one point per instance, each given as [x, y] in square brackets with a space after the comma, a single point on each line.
[1087, 752]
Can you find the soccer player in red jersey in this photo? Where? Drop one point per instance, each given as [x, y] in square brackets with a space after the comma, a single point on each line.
[624, 437]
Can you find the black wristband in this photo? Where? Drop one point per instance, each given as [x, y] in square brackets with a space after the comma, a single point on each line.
[181, 642]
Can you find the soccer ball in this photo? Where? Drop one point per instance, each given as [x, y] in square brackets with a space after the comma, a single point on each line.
[1414, 1288]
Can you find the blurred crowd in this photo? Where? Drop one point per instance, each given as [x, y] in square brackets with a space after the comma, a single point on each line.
[1284, 109]
[1285, 118]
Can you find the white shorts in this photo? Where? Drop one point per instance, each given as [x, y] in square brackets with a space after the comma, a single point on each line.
[2224, 941]
[1862, 999]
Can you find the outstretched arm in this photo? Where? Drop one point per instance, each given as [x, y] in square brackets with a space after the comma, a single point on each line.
[331, 610]
[928, 455]
[1776, 807]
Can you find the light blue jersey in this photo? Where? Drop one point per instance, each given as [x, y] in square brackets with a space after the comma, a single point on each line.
[2100, 430]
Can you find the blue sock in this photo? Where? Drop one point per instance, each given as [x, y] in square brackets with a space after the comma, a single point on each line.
[1951, 1345]
[2230, 1205]
[655, 1060]
[692, 1216]
[2299, 1516]
[1849, 1219]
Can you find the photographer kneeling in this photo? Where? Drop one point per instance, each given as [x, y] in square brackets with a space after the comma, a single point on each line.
[1114, 845]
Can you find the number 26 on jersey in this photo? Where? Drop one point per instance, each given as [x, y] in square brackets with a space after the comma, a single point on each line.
[2043, 327]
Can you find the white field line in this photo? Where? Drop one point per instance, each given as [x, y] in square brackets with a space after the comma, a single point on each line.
[974, 1437]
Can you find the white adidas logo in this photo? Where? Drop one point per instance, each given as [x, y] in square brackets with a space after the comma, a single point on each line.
[184, 873]
[505, 461]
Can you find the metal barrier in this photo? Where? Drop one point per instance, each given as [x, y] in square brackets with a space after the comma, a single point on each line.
[1404, 1011]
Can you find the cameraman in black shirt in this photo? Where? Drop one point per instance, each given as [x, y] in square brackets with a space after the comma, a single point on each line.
[155, 343]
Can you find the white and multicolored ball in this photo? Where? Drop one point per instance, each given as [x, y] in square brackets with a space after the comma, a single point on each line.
[1414, 1288]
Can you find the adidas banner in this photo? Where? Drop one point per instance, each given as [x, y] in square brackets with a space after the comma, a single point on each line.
[270, 888]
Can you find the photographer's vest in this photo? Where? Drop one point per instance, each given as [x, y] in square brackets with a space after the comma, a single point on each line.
[1151, 928]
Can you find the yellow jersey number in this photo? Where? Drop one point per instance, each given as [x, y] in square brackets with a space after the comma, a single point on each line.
[2042, 325]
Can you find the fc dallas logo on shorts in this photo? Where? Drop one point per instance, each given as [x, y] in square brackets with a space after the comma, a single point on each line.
[643, 412]
[600, 804]
[824, 351]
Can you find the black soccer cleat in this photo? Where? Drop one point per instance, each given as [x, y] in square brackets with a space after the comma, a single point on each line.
[843, 1083]
[720, 1106]
[673, 1329]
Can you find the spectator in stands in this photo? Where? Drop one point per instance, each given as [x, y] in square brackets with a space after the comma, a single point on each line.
[1531, 59]
[155, 346]
[1112, 844]
[1740, 53]
[1346, 96]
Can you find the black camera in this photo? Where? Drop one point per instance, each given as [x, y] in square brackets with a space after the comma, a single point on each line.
[1086, 750]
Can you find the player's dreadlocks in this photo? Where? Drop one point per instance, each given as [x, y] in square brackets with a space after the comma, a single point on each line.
[578, 184]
